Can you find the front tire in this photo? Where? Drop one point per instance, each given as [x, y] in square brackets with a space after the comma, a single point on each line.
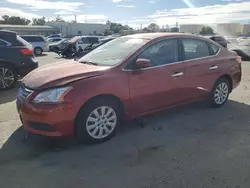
[220, 93]
[8, 77]
[97, 121]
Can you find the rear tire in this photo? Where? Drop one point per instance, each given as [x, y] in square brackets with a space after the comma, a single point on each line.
[220, 93]
[97, 121]
[8, 77]
[38, 51]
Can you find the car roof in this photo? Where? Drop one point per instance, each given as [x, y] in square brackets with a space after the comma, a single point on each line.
[208, 36]
[7, 33]
[55, 38]
[152, 36]
[85, 36]
[107, 38]
[31, 35]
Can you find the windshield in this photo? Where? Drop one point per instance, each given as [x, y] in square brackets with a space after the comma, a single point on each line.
[245, 42]
[114, 52]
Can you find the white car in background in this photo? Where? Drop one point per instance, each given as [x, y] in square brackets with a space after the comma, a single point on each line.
[53, 40]
[39, 43]
[242, 49]
[81, 42]
[240, 39]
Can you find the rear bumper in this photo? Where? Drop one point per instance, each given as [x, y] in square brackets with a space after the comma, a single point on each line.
[236, 76]
[26, 69]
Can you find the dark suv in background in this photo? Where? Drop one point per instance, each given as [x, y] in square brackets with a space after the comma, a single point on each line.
[16, 58]
[218, 39]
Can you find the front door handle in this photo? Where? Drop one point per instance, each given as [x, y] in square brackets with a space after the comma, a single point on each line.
[213, 67]
[177, 74]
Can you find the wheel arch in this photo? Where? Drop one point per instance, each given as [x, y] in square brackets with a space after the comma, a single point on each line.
[229, 78]
[9, 64]
[102, 96]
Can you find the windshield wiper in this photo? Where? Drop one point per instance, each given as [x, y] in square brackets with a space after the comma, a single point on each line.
[89, 63]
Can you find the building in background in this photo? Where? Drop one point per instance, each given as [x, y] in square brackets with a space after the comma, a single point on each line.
[30, 29]
[246, 29]
[72, 29]
[229, 29]
[191, 28]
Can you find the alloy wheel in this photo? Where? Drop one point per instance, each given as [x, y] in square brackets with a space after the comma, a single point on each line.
[101, 122]
[221, 93]
[7, 78]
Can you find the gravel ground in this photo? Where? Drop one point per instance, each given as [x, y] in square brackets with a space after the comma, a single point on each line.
[191, 146]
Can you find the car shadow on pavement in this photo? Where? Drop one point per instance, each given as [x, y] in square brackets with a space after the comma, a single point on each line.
[153, 130]
[9, 95]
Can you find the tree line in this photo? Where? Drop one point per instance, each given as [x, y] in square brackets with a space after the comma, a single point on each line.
[16, 20]
[114, 27]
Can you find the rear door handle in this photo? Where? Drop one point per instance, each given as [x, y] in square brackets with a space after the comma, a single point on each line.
[213, 67]
[177, 74]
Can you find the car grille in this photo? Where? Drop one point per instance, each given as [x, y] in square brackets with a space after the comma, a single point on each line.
[23, 93]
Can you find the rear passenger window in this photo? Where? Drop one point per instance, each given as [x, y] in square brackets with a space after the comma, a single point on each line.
[33, 39]
[93, 40]
[85, 40]
[2, 43]
[195, 48]
[214, 49]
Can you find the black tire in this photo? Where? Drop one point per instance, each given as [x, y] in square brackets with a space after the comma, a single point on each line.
[82, 133]
[38, 51]
[12, 72]
[222, 83]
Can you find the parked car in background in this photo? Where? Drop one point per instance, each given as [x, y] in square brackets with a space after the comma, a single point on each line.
[91, 47]
[130, 76]
[242, 49]
[16, 58]
[242, 38]
[55, 39]
[58, 46]
[219, 39]
[231, 40]
[81, 42]
[39, 43]
[60, 35]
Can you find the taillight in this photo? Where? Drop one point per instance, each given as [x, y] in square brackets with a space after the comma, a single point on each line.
[46, 43]
[239, 59]
[27, 51]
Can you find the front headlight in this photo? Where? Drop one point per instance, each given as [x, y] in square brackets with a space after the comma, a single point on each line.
[55, 95]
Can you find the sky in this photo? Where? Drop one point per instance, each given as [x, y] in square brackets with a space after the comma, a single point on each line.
[133, 12]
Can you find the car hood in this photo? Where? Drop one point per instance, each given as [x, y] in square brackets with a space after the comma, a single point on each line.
[60, 73]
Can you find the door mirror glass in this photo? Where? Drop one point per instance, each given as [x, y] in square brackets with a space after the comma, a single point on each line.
[143, 63]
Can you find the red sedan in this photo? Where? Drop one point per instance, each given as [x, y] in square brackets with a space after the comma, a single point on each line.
[128, 77]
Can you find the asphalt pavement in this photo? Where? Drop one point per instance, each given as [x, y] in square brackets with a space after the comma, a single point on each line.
[185, 147]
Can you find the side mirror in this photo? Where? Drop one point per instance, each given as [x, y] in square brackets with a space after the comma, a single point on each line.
[143, 63]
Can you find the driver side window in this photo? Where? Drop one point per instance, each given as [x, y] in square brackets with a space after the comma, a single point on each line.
[160, 53]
